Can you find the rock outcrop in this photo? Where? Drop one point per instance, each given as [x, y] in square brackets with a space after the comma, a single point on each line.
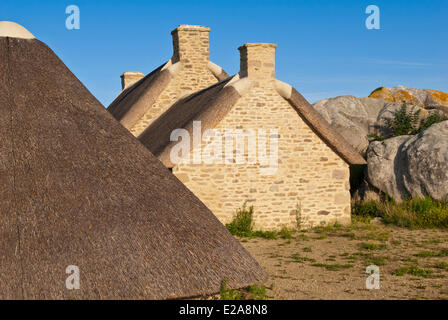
[419, 97]
[352, 117]
[355, 118]
[411, 166]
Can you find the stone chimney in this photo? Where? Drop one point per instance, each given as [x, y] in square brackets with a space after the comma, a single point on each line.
[257, 61]
[129, 78]
[191, 45]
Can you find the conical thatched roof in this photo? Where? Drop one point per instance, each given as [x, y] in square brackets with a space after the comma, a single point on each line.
[78, 189]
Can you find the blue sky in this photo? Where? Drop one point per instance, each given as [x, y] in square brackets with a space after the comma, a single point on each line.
[324, 49]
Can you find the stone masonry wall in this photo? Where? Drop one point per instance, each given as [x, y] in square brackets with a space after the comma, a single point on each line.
[312, 182]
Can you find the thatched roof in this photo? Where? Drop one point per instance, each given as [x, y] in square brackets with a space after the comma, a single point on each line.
[212, 104]
[133, 102]
[78, 189]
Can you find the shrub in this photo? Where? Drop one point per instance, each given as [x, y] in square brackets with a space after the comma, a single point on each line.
[404, 122]
[407, 122]
[432, 119]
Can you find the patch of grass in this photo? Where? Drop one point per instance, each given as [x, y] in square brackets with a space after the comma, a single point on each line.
[307, 249]
[425, 254]
[270, 235]
[333, 267]
[371, 246]
[420, 287]
[377, 89]
[431, 254]
[416, 213]
[377, 260]
[350, 235]
[302, 236]
[441, 265]
[286, 233]
[413, 271]
[374, 235]
[256, 292]
[433, 241]
[253, 292]
[298, 258]
[335, 227]
[229, 294]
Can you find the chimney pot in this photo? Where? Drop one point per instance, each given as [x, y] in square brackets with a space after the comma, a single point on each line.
[258, 61]
[129, 78]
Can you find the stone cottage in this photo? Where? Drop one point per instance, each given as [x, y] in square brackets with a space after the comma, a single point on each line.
[252, 138]
[143, 99]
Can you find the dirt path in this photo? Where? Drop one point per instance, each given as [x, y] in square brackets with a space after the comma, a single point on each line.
[331, 263]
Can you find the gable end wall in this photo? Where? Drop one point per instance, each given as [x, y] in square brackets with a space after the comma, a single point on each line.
[311, 184]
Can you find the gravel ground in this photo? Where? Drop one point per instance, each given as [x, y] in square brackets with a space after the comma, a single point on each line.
[331, 263]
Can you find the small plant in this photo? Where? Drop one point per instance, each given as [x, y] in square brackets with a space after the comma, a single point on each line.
[377, 89]
[286, 233]
[375, 137]
[298, 213]
[256, 292]
[242, 223]
[229, 294]
[432, 119]
[307, 249]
